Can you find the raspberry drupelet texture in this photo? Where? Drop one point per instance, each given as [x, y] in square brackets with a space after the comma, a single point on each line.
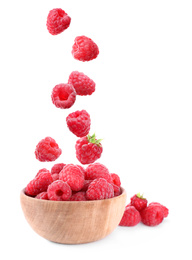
[99, 189]
[116, 179]
[88, 149]
[82, 83]
[152, 215]
[117, 190]
[47, 150]
[57, 21]
[78, 196]
[97, 170]
[86, 185]
[131, 217]
[55, 176]
[59, 190]
[84, 49]
[42, 170]
[165, 210]
[57, 168]
[73, 175]
[42, 196]
[39, 184]
[63, 95]
[139, 202]
[79, 123]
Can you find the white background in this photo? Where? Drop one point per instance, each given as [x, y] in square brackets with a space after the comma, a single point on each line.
[141, 108]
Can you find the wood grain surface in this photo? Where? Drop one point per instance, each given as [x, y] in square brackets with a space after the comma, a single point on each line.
[73, 222]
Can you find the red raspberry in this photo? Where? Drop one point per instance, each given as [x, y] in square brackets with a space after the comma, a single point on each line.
[57, 21]
[88, 149]
[57, 168]
[82, 83]
[152, 215]
[59, 190]
[55, 176]
[47, 150]
[165, 210]
[138, 202]
[97, 170]
[73, 176]
[99, 189]
[63, 95]
[79, 123]
[79, 196]
[82, 169]
[117, 190]
[131, 217]
[39, 184]
[116, 179]
[86, 185]
[42, 196]
[42, 170]
[84, 49]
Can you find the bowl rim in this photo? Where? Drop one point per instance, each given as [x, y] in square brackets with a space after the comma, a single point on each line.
[22, 193]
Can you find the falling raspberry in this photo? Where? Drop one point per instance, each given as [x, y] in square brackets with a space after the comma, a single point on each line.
[79, 123]
[47, 150]
[63, 95]
[82, 83]
[88, 149]
[84, 49]
[57, 21]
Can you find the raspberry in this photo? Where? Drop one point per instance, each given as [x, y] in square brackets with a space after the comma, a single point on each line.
[42, 170]
[55, 176]
[57, 21]
[116, 179]
[42, 196]
[165, 210]
[131, 217]
[99, 189]
[73, 176]
[79, 196]
[82, 169]
[152, 215]
[88, 149]
[97, 170]
[86, 185]
[39, 184]
[63, 95]
[117, 190]
[57, 168]
[79, 123]
[59, 190]
[82, 83]
[47, 150]
[138, 202]
[84, 49]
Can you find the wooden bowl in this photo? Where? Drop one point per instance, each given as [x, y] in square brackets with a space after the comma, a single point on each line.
[73, 222]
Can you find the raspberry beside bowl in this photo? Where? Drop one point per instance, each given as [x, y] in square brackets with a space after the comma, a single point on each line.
[73, 222]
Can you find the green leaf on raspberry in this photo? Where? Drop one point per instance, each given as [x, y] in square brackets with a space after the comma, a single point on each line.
[140, 196]
[92, 139]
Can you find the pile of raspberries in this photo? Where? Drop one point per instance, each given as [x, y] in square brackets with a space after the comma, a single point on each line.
[138, 211]
[75, 183]
[69, 182]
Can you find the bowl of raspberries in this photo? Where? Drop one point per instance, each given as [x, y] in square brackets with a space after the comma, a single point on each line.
[84, 202]
[71, 204]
